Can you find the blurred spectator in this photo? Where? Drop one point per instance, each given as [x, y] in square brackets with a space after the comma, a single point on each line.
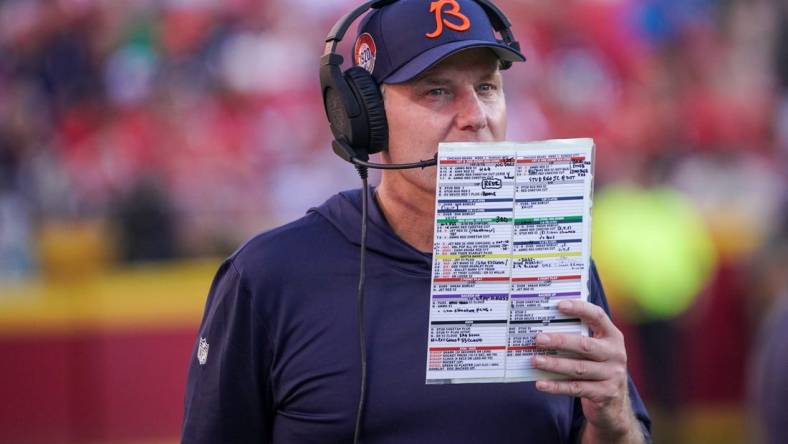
[16, 258]
[146, 224]
[769, 378]
[769, 282]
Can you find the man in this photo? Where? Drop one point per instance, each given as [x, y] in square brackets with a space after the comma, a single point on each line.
[277, 356]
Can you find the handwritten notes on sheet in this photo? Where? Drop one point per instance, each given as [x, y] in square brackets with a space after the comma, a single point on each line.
[512, 239]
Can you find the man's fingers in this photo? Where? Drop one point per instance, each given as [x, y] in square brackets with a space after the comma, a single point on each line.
[591, 314]
[579, 389]
[585, 346]
[574, 368]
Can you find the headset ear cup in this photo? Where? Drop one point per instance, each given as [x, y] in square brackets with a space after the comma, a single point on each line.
[337, 114]
[368, 93]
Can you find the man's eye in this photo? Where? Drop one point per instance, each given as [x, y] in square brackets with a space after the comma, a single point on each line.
[487, 87]
[437, 92]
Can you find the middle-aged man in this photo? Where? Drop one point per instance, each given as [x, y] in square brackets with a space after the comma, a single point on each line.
[277, 357]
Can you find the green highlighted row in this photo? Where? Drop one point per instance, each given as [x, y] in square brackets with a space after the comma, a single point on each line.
[452, 221]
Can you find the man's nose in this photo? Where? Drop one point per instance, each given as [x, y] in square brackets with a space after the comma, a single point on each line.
[471, 114]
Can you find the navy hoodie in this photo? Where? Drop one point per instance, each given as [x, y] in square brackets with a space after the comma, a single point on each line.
[277, 354]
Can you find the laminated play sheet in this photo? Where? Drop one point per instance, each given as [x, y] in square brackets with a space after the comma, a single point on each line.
[512, 239]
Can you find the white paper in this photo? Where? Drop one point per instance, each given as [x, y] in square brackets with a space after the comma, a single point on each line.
[512, 239]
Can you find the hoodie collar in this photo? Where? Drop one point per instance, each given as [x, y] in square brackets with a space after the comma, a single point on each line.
[343, 210]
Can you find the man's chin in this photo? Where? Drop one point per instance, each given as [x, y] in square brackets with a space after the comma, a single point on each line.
[424, 180]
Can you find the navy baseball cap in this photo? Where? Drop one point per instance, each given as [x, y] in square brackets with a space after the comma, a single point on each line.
[405, 38]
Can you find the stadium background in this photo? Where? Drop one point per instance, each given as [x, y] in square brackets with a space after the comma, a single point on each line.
[141, 142]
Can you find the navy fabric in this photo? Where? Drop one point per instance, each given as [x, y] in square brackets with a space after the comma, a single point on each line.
[403, 49]
[771, 373]
[282, 362]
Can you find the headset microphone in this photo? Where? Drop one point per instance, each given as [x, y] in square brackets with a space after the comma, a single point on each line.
[343, 150]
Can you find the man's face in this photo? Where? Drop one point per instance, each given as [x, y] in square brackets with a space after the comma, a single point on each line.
[459, 100]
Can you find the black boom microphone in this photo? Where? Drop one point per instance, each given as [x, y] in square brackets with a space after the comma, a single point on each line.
[343, 150]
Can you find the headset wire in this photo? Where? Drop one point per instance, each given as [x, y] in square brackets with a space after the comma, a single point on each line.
[363, 172]
[362, 167]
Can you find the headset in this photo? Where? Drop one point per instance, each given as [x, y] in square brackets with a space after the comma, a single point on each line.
[357, 118]
[352, 98]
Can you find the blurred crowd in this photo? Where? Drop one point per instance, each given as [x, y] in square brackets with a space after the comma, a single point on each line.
[178, 128]
[185, 125]
[196, 123]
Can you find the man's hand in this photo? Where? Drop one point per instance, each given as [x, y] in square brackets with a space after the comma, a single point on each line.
[598, 374]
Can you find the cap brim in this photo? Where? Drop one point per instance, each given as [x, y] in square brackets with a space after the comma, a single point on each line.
[431, 57]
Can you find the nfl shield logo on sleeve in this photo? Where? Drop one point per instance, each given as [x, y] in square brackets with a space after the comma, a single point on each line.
[202, 351]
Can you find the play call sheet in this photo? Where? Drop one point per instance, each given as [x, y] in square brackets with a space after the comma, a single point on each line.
[512, 231]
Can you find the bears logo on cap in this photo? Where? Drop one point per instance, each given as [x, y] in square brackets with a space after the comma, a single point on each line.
[365, 52]
[454, 11]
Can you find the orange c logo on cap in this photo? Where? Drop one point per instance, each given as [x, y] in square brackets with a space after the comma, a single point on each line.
[437, 8]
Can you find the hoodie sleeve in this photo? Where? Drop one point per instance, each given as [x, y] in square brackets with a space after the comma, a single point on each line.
[597, 296]
[228, 396]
